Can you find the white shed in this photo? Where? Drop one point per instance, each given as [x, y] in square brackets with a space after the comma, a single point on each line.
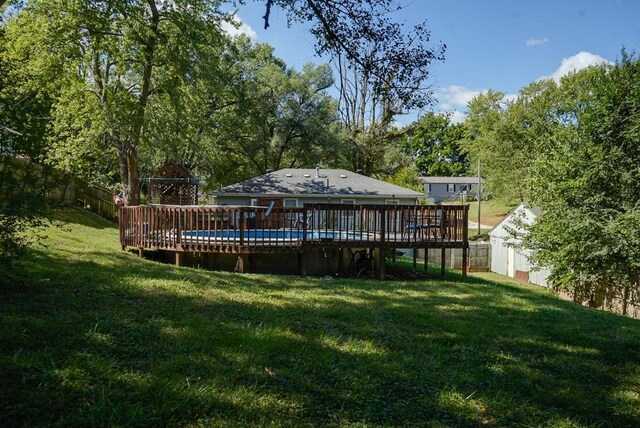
[510, 261]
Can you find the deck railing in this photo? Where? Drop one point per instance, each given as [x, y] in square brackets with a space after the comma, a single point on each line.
[235, 228]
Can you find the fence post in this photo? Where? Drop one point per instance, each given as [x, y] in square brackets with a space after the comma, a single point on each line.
[121, 226]
[302, 256]
[465, 240]
[179, 229]
[242, 219]
[381, 250]
[304, 220]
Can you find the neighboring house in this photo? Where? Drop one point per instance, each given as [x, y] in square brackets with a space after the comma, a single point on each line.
[294, 187]
[508, 260]
[447, 188]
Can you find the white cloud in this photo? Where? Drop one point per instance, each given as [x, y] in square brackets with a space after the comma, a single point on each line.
[244, 28]
[537, 42]
[510, 97]
[454, 97]
[457, 116]
[577, 62]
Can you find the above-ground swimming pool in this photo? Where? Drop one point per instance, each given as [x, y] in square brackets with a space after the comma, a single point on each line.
[273, 234]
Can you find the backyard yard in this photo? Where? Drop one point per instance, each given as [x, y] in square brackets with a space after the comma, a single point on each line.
[492, 212]
[92, 335]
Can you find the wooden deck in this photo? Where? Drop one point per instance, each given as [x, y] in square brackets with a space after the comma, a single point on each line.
[241, 229]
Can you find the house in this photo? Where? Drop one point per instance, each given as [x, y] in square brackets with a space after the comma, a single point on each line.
[293, 187]
[508, 260]
[441, 189]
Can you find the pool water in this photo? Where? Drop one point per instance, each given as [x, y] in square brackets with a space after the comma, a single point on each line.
[269, 234]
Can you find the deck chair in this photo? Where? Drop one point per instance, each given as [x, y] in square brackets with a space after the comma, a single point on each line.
[424, 225]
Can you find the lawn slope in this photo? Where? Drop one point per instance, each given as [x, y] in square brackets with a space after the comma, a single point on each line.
[91, 335]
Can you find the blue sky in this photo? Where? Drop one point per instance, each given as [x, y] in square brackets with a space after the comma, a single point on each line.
[502, 45]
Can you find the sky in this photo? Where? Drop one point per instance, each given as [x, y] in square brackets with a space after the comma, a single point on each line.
[491, 44]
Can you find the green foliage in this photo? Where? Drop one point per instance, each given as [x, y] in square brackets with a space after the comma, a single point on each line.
[587, 181]
[23, 208]
[434, 142]
[96, 336]
[406, 176]
[572, 150]
[380, 60]
[507, 135]
[277, 117]
[24, 182]
[254, 115]
[110, 60]
[161, 79]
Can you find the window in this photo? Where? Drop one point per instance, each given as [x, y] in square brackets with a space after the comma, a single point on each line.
[451, 188]
[391, 202]
[348, 201]
[254, 202]
[427, 188]
[290, 203]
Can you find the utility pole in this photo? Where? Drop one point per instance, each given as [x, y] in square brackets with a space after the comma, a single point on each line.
[479, 195]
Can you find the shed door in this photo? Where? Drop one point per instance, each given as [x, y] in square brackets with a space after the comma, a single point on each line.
[511, 262]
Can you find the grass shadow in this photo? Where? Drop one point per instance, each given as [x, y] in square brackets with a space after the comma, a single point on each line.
[102, 337]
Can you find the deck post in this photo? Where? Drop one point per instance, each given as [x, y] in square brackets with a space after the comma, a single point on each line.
[141, 252]
[381, 250]
[426, 259]
[382, 262]
[242, 262]
[302, 263]
[178, 229]
[465, 240]
[415, 259]
[179, 257]
[443, 261]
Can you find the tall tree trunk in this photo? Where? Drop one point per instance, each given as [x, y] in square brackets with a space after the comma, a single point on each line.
[625, 299]
[134, 180]
[133, 196]
[124, 172]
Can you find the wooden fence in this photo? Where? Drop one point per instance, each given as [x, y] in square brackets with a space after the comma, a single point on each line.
[98, 200]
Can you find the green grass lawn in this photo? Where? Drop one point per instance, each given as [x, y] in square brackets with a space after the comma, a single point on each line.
[91, 335]
[491, 212]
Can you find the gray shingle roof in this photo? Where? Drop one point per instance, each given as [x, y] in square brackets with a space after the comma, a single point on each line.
[449, 180]
[291, 181]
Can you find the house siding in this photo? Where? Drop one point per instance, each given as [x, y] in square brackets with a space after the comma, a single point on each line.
[439, 192]
[502, 243]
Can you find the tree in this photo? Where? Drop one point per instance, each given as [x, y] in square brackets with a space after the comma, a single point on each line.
[434, 143]
[258, 115]
[113, 58]
[588, 184]
[371, 97]
[280, 117]
[507, 135]
[382, 69]
[24, 106]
